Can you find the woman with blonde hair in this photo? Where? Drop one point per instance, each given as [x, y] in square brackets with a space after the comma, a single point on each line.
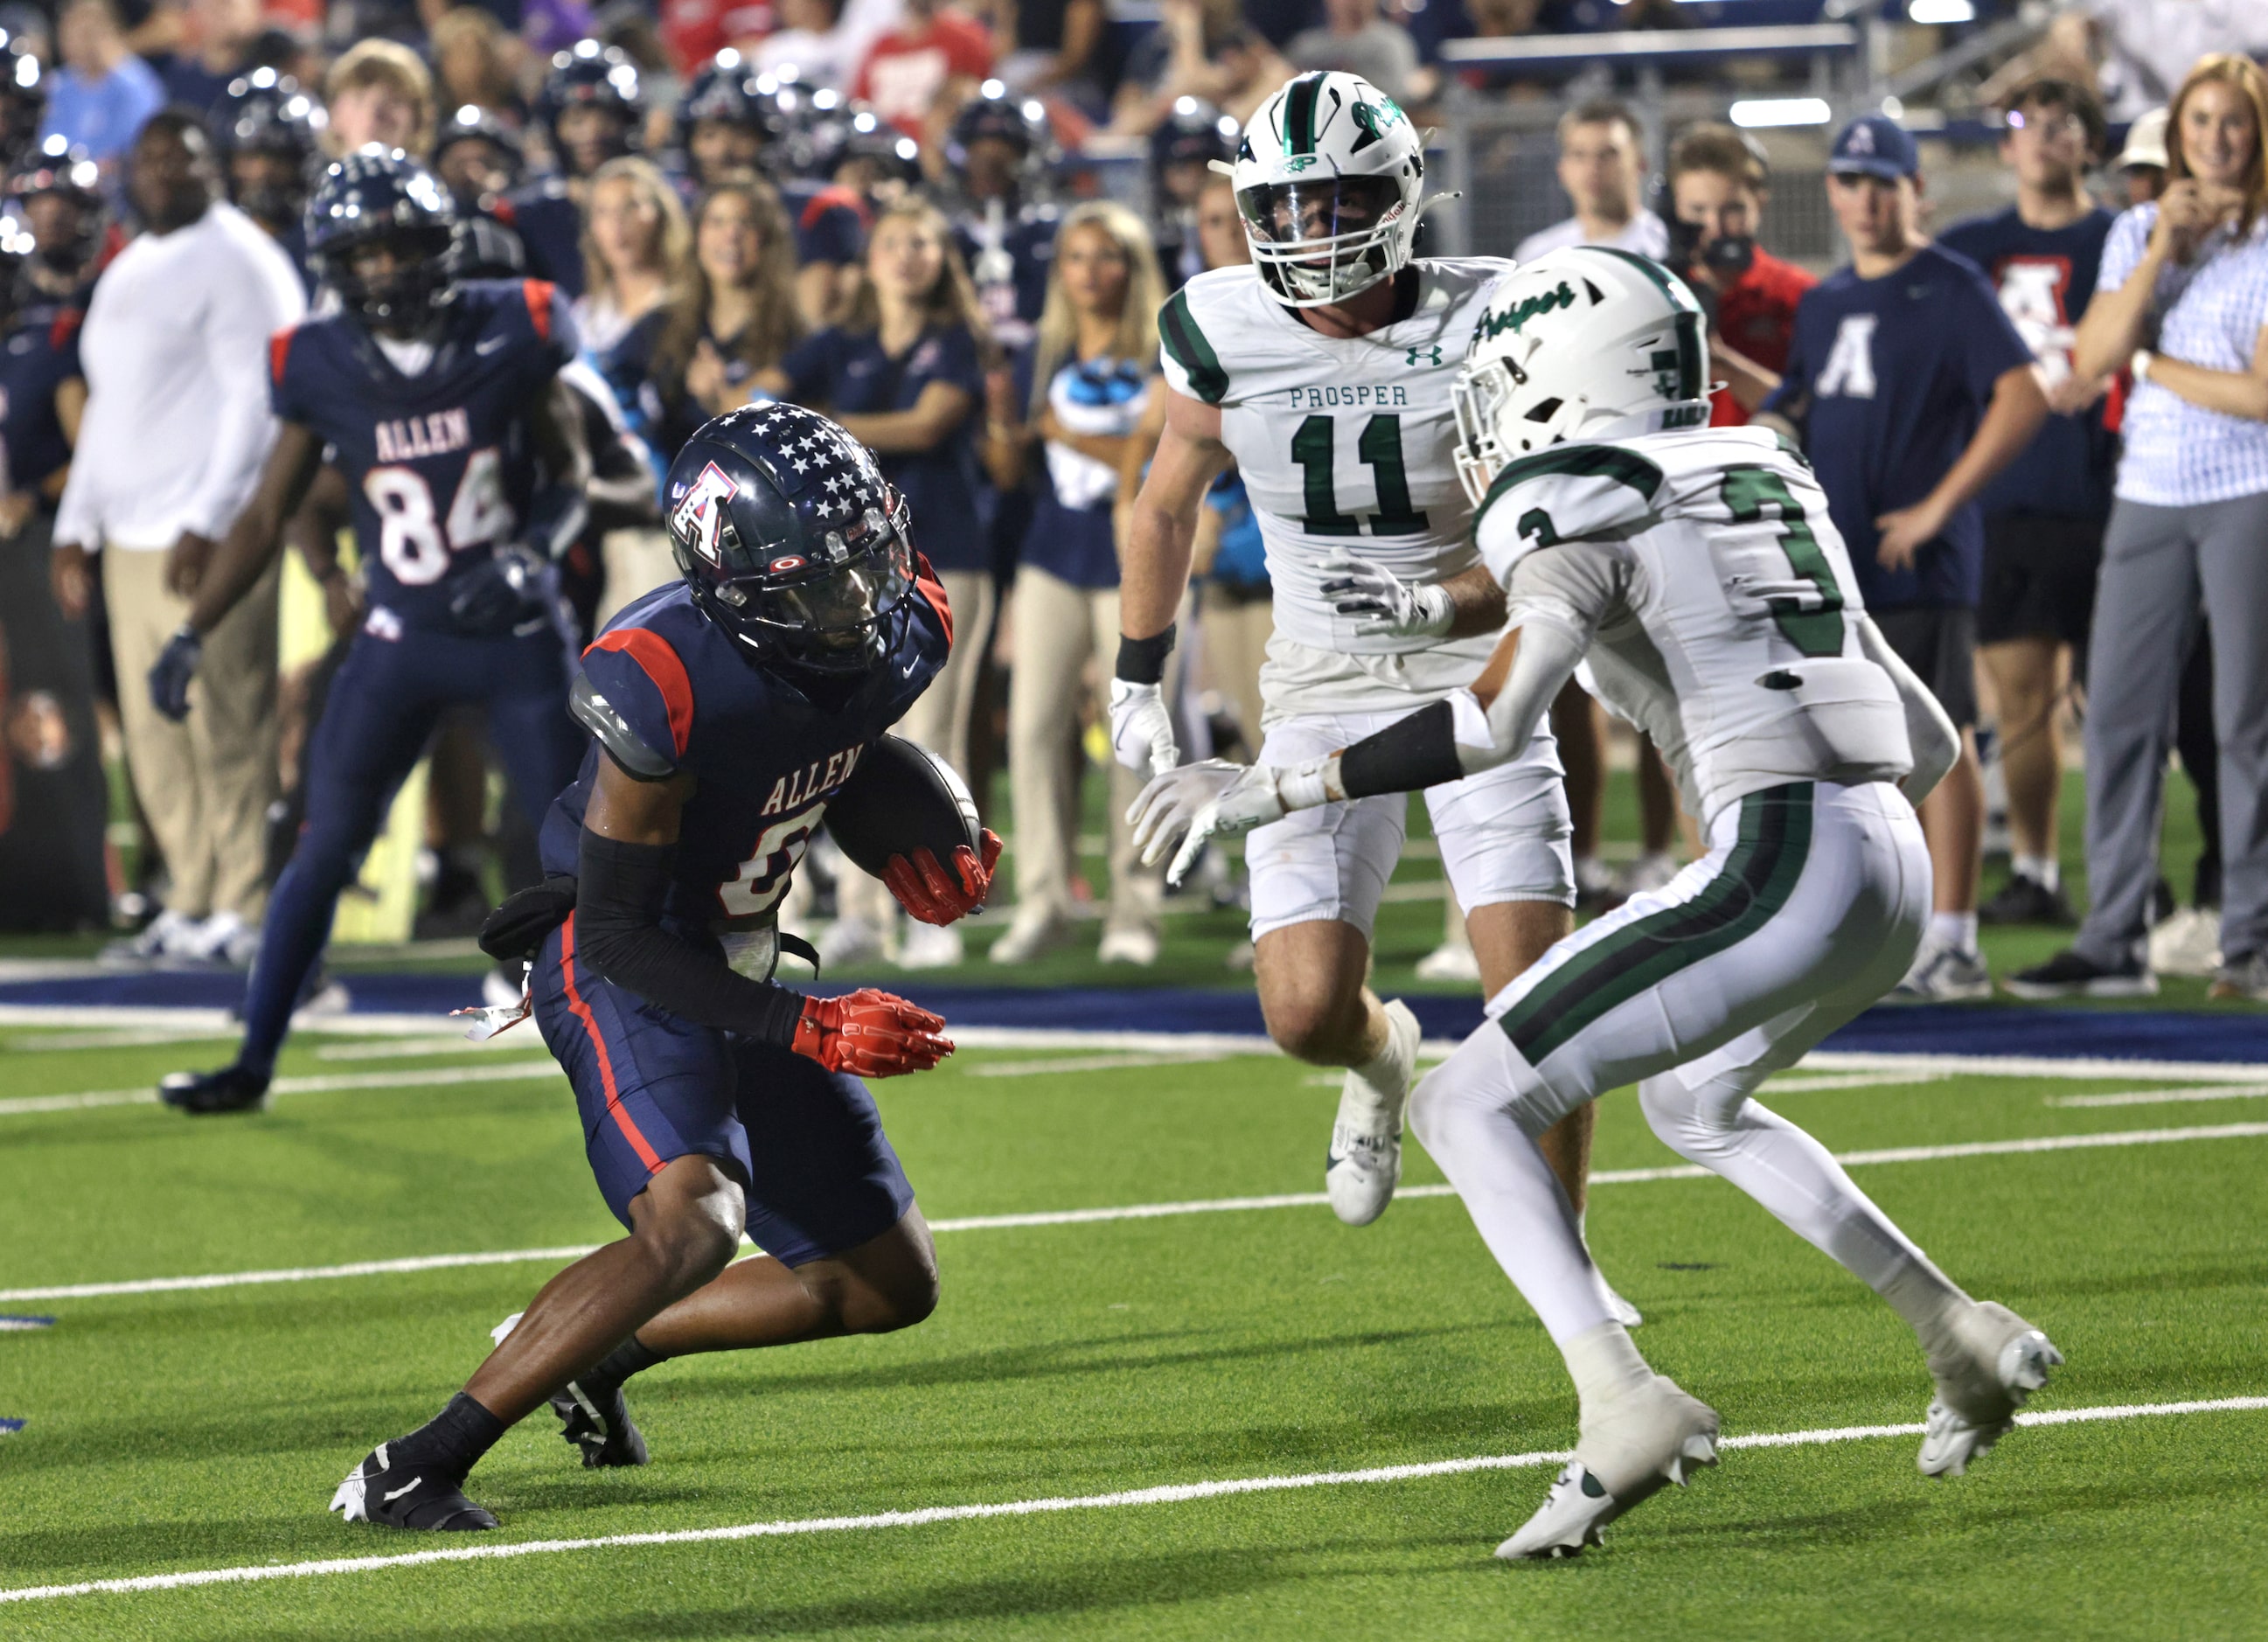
[738, 316]
[2181, 301]
[379, 92]
[1077, 399]
[904, 373]
[473, 59]
[637, 264]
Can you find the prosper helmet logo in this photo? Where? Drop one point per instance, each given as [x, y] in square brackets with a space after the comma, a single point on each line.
[699, 519]
[1493, 325]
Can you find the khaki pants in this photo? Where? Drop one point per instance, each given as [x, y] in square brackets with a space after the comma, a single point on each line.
[939, 721]
[1057, 628]
[1236, 633]
[204, 784]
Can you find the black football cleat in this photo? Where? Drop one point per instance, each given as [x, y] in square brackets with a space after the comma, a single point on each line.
[200, 1093]
[600, 1426]
[425, 1500]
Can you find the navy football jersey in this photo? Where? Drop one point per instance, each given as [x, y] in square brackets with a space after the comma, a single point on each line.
[439, 465]
[766, 756]
[40, 353]
[550, 230]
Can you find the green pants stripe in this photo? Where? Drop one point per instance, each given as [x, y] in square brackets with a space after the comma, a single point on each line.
[1759, 876]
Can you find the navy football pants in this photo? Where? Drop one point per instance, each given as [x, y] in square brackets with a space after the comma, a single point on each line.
[381, 711]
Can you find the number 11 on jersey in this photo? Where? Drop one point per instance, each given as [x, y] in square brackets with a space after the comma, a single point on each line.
[1314, 445]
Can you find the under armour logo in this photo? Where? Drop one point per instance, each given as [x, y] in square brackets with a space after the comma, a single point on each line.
[1433, 355]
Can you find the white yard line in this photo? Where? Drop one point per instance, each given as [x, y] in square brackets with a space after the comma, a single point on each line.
[1171, 1494]
[1086, 1062]
[1142, 1211]
[114, 1038]
[333, 1083]
[2163, 1097]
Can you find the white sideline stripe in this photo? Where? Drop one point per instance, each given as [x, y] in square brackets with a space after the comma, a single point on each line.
[2163, 1097]
[1088, 1063]
[511, 1072]
[1140, 1212]
[114, 1038]
[2086, 1068]
[1171, 1494]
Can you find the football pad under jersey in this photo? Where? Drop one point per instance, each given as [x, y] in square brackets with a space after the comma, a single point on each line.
[1717, 600]
[1342, 443]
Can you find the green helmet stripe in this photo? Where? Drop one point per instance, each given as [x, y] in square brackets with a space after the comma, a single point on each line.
[1688, 320]
[1177, 328]
[1299, 115]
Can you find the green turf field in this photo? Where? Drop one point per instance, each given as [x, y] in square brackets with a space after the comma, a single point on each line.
[206, 1429]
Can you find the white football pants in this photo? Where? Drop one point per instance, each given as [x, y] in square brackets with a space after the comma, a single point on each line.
[1807, 908]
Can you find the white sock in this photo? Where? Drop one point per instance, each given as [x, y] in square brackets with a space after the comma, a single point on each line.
[1385, 1072]
[2043, 869]
[1799, 1180]
[1605, 1365]
[1955, 931]
[1463, 1114]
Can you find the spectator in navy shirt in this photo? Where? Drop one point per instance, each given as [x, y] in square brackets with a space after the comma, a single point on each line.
[2044, 514]
[1078, 398]
[904, 373]
[1914, 391]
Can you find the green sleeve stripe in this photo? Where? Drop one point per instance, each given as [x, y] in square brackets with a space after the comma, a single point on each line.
[1177, 328]
[1579, 461]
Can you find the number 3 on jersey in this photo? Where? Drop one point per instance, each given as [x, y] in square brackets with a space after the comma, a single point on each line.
[1313, 445]
[413, 540]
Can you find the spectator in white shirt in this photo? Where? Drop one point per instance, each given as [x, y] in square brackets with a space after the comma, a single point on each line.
[177, 425]
[1603, 168]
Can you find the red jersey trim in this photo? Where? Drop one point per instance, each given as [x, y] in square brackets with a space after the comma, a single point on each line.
[538, 295]
[659, 663]
[927, 584]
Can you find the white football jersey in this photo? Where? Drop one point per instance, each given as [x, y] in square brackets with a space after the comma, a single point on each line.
[1341, 443]
[1722, 615]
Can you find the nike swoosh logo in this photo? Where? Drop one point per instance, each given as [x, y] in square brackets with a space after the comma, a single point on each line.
[489, 346]
[405, 1488]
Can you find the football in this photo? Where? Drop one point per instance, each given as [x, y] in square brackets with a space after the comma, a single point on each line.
[900, 797]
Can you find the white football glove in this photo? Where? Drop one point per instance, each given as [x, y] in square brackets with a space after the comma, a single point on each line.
[1216, 798]
[1141, 729]
[1381, 603]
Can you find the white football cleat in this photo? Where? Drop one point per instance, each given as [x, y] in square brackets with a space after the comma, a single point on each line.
[1991, 1360]
[1364, 1164]
[1634, 1448]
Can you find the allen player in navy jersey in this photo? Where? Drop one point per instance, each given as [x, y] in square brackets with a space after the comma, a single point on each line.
[464, 455]
[727, 711]
[2044, 515]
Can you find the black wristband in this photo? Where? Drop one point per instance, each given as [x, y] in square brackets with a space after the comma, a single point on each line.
[619, 893]
[1407, 756]
[1143, 660]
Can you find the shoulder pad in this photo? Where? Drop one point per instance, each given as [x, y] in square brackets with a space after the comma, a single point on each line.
[1561, 494]
[1192, 365]
[623, 744]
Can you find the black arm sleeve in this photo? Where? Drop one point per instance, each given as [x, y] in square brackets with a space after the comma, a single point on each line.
[1407, 756]
[618, 899]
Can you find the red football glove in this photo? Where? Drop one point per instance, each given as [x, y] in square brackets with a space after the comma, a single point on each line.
[870, 1033]
[924, 890]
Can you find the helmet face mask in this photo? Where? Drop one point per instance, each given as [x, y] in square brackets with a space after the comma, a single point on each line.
[1328, 177]
[379, 197]
[791, 540]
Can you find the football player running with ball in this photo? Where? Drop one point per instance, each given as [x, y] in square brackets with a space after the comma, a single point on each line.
[1324, 371]
[728, 711]
[1696, 572]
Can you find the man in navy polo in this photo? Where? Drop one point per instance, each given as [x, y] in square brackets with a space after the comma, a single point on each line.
[1911, 390]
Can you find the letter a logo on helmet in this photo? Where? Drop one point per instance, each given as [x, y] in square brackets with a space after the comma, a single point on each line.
[700, 516]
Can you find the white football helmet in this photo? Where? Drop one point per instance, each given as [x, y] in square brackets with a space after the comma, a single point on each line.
[1586, 342]
[1328, 177]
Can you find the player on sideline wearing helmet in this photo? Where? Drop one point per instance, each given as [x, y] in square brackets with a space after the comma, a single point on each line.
[1695, 570]
[441, 399]
[727, 711]
[1325, 370]
[593, 109]
[266, 130]
[1001, 152]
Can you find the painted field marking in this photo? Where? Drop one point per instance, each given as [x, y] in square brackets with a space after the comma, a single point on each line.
[116, 1038]
[1171, 1494]
[1141, 1212]
[2164, 1097]
[333, 1083]
[1117, 1061]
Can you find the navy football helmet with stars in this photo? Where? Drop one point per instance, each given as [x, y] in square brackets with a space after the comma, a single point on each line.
[790, 537]
[381, 195]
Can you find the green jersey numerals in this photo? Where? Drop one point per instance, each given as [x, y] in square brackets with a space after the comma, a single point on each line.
[1816, 632]
[1380, 446]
